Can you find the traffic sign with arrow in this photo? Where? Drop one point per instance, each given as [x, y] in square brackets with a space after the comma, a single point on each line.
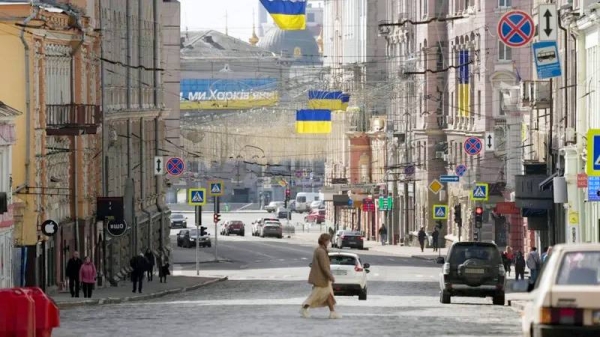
[158, 165]
[547, 22]
[490, 142]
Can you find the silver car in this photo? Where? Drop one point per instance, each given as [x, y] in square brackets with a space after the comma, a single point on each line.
[273, 229]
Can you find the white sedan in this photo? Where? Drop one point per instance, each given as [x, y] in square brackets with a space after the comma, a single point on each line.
[350, 274]
[566, 298]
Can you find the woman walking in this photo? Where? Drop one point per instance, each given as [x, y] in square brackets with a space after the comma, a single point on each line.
[507, 259]
[321, 278]
[87, 275]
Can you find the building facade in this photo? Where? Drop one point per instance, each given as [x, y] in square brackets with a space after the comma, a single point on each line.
[134, 110]
[7, 139]
[54, 74]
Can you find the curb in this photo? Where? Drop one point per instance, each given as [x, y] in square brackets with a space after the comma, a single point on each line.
[516, 305]
[117, 300]
[426, 258]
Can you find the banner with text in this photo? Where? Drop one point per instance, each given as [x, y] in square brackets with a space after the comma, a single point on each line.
[227, 94]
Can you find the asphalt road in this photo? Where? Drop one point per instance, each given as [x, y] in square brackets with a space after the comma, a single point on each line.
[268, 283]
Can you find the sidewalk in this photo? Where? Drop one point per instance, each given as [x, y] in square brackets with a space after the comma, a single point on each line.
[122, 293]
[374, 246]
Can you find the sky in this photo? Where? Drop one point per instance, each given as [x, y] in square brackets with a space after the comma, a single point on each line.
[210, 14]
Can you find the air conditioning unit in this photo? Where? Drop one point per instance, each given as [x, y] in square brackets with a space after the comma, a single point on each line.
[439, 154]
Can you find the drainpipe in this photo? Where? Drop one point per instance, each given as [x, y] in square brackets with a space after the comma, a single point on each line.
[28, 118]
[158, 179]
[76, 137]
[143, 167]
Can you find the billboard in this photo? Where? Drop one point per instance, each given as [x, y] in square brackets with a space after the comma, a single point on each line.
[227, 94]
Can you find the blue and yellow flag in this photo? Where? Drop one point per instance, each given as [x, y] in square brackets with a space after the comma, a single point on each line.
[328, 100]
[464, 89]
[313, 121]
[287, 14]
[345, 101]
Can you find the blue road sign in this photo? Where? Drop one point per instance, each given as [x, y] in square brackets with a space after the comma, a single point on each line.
[197, 196]
[175, 166]
[473, 146]
[409, 170]
[546, 58]
[480, 192]
[516, 28]
[593, 188]
[440, 212]
[592, 167]
[448, 179]
[460, 170]
[350, 202]
[215, 188]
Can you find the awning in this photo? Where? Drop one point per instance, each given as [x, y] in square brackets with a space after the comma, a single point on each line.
[546, 184]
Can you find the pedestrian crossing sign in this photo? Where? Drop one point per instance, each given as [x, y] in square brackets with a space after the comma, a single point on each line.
[480, 192]
[197, 196]
[215, 188]
[440, 212]
[593, 150]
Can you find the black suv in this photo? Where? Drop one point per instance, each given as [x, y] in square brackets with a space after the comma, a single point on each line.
[473, 269]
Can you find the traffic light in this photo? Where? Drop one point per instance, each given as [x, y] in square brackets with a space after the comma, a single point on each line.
[458, 215]
[288, 193]
[203, 230]
[476, 236]
[478, 217]
[217, 217]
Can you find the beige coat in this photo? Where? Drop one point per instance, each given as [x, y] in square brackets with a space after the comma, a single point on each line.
[320, 270]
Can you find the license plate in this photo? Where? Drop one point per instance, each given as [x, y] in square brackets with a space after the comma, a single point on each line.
[475, 271]
[340, 272]
[596, 317]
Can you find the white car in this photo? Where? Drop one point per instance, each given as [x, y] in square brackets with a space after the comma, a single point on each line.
[566, 298]
[350, 274]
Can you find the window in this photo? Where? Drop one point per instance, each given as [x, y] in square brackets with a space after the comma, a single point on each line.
[479, 103]
[310, 17]
[580, 268]
[504, 3]
[504, 52]
[425, 7]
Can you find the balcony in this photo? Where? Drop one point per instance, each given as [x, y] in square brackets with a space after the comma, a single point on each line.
[72, 119]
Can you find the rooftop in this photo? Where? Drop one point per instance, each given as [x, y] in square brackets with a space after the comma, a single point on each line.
[214, 44]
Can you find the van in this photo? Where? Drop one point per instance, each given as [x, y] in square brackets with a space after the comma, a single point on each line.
[304, 199]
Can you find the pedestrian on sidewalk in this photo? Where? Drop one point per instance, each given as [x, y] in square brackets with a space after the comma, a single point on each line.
[434, 239]
[507, 258]
[322, 279]
[534, 264]
[151, 262]
[87, 275]
[422, 236]
[140, 266]
[546, 254]
[383, 234]
[519, 265]
[163, 269]
[72, 272]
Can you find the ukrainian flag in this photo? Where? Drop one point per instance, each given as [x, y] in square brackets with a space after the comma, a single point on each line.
[287, 14]
[313, 121]
[345, 101]
[329, 100]
[464, 88]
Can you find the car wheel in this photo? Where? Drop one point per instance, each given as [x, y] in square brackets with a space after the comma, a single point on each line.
[362, 296]
[280, 236]
[444, 297]
[499, 299]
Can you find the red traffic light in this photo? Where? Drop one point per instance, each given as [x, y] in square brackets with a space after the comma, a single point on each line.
[217, 217]
[288, 192]
[478, 210]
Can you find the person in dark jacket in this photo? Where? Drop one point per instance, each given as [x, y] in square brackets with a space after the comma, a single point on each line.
[422, 236]
[73, 267]
[383, 234]
[519, 265]
[140, 266]
[163, 269]
[151, 262]
[434, 239]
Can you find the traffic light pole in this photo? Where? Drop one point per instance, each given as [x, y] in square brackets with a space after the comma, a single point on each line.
[198, 225]
[217, 210]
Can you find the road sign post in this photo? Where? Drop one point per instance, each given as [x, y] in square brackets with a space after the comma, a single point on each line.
[516, 28]
[216, 221]
[198, 210]
[440, 212]
[548, 22]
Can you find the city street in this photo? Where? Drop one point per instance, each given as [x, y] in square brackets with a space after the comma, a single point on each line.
[268, 283]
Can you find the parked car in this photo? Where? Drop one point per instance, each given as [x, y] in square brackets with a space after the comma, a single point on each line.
[257, 228]
[566, 298]
[178, 221]
[235, 227]
[350, 274]
[292, 206]
[315, 205]
[273, 205]
[271, 228]
[473, 269]
[317, 215]
[283, 213]
[336, 237]
[350, 239]
[187, 238]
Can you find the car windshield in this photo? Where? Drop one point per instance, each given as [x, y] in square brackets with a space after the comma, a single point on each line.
[301, 199]
[579, 268]
[177, 217]
[461, 253]
[351, 233]
[342, 260]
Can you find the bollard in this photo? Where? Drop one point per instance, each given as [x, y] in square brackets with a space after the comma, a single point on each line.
[46, 313]
[17, 313]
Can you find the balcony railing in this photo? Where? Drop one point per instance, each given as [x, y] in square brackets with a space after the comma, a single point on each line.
[72, 119]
